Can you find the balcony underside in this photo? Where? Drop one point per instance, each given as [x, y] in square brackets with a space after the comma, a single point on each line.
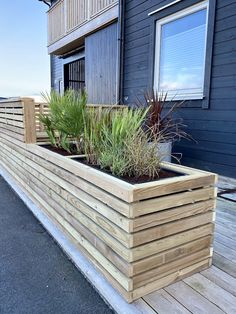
[71, 39]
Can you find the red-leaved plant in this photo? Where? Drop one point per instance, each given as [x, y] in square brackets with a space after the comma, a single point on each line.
[161, 122]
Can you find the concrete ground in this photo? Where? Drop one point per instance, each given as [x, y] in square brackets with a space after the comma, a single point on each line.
[35, 275]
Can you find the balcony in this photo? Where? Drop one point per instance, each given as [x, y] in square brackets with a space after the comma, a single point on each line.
[71, 20]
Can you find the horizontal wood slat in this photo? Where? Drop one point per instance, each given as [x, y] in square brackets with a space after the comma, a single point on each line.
[140, 237]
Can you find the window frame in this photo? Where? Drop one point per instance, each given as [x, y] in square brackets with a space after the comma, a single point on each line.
[157, 55]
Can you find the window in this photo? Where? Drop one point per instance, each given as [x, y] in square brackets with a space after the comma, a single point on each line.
[180, 53]
[74, 75]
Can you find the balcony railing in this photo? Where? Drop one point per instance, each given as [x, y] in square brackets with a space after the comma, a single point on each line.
[67, 15]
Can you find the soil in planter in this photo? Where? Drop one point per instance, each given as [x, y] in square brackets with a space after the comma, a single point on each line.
[60, 151]
[163, 174]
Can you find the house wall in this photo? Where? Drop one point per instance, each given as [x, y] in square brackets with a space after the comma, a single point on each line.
[56, 72]
[214, 128]
[101, 65]
[101, 49]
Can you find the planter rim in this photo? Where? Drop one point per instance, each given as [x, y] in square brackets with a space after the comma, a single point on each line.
[117, 187]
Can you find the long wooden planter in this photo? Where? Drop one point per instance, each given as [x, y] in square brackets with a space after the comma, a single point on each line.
[141, 237]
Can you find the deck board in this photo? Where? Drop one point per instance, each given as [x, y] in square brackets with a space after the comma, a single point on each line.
[163, 303]
[192, 299]
[213, 290]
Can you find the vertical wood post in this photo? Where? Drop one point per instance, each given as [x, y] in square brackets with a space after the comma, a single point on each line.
[29, 120]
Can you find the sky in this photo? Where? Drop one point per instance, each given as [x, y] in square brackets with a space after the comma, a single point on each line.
[24, 62]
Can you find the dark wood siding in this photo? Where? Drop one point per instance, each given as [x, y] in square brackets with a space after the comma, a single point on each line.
[214, 129]
[101, 64]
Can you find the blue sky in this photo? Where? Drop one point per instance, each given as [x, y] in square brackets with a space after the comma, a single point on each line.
[24, 62]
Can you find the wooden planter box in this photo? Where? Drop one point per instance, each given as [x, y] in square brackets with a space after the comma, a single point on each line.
[141, 237]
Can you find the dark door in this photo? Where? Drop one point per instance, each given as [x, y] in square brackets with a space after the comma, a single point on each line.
[74, 75]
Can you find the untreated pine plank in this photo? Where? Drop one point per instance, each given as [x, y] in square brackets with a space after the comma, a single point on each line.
[18, 136]
[63, 189]
[172, 185]
[100, 194]
[13, 117]
[99, 232]
[11, 110]
[171, 241]
[168, 268]
[29, 120]
[12, 122]
[142, 249]
[159, 245]
[165, 281]
[172, 254]
[12, 128]
[110, 184]
[90, 174]
[159, 232]
[126, 239]
[175, 213]
[11, 103]
[171, 201]
[202, 243]
[73, 179]
[70, 202]
[215, 294]
[124, 281]
[118, 187]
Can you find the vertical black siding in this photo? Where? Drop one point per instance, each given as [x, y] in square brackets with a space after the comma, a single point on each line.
[214, 129]
[100, 65]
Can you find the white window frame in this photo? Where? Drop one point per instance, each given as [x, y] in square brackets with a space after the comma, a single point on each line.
[168, 19]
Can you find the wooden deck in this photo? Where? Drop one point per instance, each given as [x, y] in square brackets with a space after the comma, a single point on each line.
[212, 291]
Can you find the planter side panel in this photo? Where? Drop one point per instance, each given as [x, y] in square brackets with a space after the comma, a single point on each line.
[139, 246]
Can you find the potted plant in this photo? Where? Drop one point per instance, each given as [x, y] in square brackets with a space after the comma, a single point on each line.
[162, 124]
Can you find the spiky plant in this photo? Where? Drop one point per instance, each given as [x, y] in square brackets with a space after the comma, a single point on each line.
[118, 153]
[66, 114]
[161, 121]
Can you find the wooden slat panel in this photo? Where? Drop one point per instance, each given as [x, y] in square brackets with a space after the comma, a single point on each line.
[11, 110]
[164, 216]
[11, 116]
[76, 13]
[12, 128]
[179, 199]
[136, 263]
[56, 22]
[168, 268]
[12, 122]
